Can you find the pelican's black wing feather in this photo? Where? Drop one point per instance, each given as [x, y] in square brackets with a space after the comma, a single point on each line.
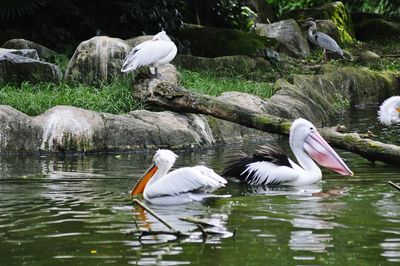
[237, 164]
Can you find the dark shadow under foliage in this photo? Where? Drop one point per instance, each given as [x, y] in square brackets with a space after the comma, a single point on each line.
[62, 23]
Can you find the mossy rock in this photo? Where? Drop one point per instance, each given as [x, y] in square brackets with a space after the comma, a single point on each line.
[235, 62]
[288, 34]
[215, 42]
[16, 69]
[319, 98]
[376, 27]
[336, 11]
[97, 60]
[43, 52]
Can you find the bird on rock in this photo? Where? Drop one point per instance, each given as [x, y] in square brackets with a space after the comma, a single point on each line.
[321, 39]
[158, 51]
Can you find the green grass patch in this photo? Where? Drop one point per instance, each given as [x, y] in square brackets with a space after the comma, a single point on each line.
[215, 83]
[115, 98]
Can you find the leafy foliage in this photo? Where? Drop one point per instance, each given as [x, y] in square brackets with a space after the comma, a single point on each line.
[386, 7]
[17, 8]
[283, 6]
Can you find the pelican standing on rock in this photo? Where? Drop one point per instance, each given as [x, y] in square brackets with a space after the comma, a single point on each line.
[389, 111]
[271, 166]
[321, 39]
[160, 50]
[180, 186]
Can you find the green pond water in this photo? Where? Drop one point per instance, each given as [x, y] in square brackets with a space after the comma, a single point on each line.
[77, 211]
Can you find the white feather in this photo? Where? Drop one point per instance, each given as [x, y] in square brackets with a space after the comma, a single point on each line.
[269, 173]
[387, 113]
[183, 180]
[158, 51]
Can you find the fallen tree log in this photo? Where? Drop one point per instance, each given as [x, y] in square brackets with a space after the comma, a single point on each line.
[176, 98]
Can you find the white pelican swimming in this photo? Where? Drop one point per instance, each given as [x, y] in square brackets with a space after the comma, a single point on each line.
[271, 166]
[153, 53]
[389, 111]
[180, 186]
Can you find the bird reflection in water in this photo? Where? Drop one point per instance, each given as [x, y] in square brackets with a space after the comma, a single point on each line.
[216, 218]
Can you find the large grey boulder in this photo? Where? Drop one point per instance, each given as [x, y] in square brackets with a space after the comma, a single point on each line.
[319, 98]
[97, 60]
[31, 53]
[67, 128]
[143, 129]
[18, 44]
[16, 68]
[19, 133]
[228, 132]
[289, 36]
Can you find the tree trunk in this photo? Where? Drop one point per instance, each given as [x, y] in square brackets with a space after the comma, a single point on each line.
[173, 97]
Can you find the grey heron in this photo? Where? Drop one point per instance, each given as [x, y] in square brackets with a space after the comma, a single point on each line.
[158, 51]
[321, 39]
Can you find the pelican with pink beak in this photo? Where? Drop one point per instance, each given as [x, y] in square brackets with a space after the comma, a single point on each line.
[269, 165]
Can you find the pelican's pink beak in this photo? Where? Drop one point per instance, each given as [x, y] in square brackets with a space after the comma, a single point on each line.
[141, 184]
[321, 152]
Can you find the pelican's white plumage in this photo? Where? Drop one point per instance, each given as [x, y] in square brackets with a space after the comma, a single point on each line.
[389, 111]
[158, 51]
[180, 186]
[271, 166]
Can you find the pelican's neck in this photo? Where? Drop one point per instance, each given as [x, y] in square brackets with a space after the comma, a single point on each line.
[304, 160]
[161, 171]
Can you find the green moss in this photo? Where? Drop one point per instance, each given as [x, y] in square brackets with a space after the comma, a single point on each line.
[213, 122]
[341, 17]
[265, 120]
[214, 42]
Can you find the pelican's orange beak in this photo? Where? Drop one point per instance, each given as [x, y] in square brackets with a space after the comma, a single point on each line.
[141, 184]
[398, 109]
